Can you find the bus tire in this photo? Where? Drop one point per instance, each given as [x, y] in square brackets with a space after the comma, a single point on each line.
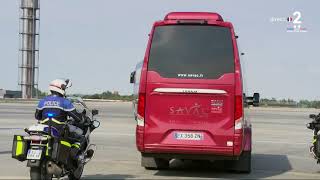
[243, 165]
[152, 163]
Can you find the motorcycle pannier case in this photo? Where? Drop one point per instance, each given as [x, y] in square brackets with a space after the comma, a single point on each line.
[19, 148]
[61, 151]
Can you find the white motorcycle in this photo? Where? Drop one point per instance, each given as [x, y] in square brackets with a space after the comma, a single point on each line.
[48, 149]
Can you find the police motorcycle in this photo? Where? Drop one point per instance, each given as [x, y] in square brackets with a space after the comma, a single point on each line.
[48, 149]
[315, 126]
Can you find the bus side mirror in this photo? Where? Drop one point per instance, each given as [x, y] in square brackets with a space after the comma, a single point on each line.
[254, 100]
[132, 77]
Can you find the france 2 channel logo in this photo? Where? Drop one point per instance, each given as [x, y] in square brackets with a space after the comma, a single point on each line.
[295, 23]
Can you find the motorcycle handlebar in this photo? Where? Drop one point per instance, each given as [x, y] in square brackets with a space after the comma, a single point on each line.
[312, 116]
[315, 123]
[315, 117]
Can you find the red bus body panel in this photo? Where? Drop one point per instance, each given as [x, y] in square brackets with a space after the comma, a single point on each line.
[169, 112]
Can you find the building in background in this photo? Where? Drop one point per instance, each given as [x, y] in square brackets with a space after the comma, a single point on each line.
[9, 94]
[2, 93]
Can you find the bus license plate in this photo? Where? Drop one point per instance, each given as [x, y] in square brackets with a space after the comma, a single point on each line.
[188, 136]
[34, 154]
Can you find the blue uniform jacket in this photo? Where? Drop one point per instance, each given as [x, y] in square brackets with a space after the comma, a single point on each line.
[55, 106]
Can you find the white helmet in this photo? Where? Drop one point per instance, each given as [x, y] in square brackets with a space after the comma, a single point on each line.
[59, 86]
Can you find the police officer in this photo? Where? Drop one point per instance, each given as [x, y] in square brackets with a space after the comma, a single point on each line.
[59, 108]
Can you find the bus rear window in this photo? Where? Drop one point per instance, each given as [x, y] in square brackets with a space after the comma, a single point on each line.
[191, 51]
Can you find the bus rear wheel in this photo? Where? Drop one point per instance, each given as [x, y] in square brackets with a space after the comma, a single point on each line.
[152, 163]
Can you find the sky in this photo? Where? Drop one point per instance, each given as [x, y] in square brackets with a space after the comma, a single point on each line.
[97, 43]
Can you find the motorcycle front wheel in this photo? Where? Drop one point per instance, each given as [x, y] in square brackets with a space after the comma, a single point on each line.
[37, 173]
[77, 174]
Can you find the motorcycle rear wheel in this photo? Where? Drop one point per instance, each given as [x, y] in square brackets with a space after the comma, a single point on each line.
[37, 173]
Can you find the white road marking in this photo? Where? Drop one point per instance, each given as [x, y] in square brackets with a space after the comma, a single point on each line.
[281, 142]
[259, 141]
[115, 134]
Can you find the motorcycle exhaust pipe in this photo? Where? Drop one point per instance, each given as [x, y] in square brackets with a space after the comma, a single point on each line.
[90, 153]
[53, 168]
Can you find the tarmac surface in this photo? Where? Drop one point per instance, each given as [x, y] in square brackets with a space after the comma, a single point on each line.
[280, 146]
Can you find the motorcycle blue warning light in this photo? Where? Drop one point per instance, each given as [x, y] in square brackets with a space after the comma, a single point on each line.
[50, 115]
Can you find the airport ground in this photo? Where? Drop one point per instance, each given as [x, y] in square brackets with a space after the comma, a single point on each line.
[280, 146]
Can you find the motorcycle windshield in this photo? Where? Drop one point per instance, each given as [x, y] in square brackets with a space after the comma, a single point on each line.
[78, 100]
[80, 105]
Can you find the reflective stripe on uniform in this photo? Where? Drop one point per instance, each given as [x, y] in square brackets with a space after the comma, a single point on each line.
[76, 145]
[44, 107]
[58, 122]
[65, 143]
[314, 140]
[68, 110]
[44, 121]
[56, 107]
[53, 120]
[47, 150]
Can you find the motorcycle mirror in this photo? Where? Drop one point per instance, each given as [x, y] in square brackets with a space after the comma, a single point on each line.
[96, 123]
[312, 116]
[95, 112]
[308, 125]
[69, 83]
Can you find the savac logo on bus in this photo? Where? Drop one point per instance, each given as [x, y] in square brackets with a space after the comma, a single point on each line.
[197, 109]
